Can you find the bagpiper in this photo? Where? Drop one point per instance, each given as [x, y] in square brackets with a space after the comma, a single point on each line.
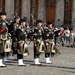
[3, 36]
[13, 27]
[38, 41]
[20, 37]
[48, 41]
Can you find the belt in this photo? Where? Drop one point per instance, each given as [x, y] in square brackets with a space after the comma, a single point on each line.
[49, 40]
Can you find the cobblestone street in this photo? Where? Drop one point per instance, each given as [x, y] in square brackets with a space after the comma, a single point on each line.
[63, 64]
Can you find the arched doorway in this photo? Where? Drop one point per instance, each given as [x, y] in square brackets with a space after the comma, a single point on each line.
[50, 11]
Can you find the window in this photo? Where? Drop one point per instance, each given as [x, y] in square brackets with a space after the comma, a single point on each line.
[2, 5]
[17, 7]
[34, 8]
[68, 12]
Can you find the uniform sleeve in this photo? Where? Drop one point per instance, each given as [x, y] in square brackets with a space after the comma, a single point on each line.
[17, 34]
[20, 35]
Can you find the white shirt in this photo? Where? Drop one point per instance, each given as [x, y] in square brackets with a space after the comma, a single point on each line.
[67, 33]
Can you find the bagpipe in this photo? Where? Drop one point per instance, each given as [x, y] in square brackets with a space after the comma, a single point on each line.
[31, 29]
[30, 34]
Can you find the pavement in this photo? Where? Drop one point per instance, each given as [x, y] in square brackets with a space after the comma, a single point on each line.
[63, 64]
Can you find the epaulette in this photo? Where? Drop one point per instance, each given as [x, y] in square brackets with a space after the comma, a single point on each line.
[19, 27]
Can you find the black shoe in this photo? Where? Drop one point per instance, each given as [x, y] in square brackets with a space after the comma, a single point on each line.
[2, 66]
[49, 63]
[22, 65]
[15, 59]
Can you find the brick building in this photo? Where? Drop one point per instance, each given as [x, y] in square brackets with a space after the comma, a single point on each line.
[58, 12]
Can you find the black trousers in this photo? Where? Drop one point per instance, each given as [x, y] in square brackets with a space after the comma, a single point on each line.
[47, 55]
[19, 56]
[14, 47]
[36, 55]
[2, 55]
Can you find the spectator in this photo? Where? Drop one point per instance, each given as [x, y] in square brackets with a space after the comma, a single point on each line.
[67, 36]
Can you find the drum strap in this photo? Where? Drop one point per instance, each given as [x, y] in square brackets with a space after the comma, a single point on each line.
[2, 30]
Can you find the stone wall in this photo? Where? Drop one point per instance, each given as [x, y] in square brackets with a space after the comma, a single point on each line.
[41, 9]
[26, 9]
[73, 14]
[59, 13]
[9, 7]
